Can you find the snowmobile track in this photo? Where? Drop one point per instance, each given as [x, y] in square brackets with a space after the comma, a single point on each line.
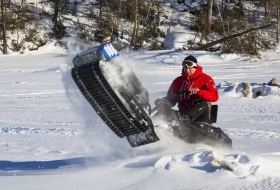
[95, 88]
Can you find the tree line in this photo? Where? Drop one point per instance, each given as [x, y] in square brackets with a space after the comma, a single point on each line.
[228, 26]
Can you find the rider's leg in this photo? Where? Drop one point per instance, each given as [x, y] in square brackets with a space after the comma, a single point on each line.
[199, 112]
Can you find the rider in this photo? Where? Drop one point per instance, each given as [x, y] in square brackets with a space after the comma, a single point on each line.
[195, 105]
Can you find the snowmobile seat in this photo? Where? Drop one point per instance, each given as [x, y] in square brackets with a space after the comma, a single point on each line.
[213, 113]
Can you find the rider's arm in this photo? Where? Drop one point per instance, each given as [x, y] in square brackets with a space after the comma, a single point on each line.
[209, 92]
[172, 90]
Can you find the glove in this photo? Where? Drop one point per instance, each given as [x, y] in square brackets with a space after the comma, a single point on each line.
[158, 101]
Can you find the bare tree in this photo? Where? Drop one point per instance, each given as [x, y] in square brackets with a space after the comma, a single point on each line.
[136, 25]
[5, 47]
[207, 27]
[56, 10]
[278, 20]
[275, 15]
[266, 9]
[240, 3]
[209, 16]
[100, 9]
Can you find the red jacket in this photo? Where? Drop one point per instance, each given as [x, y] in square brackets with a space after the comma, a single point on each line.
[206, 85]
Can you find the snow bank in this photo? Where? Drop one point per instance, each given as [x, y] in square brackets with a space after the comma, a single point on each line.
[249, 90]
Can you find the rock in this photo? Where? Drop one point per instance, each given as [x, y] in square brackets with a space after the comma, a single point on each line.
[247, 90]
[273, 82]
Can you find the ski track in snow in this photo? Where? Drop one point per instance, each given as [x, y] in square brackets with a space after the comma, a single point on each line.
[267, 183]
[245, 133]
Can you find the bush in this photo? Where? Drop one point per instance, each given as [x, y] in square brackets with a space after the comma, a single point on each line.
[18, 46]
[250, 44]
[156, 46]
[59, 31]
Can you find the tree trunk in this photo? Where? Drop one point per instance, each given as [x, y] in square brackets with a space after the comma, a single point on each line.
[208, 22]
[5, 47]
[266, 10]
[56, 10]
[240, 2]
[145, 23]
[278, 22]
[221, 18]
[223, 8]
[100, 9]
[209, 16]
[228, 37]
[133, 37]
[134, 33]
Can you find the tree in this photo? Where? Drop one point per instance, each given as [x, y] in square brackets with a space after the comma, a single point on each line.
[275, 15]
[240, 3]
[207, 27]
[59, 30]
[266, 3]
[5, 47]
[278, 20]
[136, 25]
[209, 16]
[56, 10]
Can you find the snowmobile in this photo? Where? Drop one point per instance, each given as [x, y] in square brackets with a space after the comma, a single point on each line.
[118, 97]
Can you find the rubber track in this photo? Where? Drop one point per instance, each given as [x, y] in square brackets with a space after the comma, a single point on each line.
[106, 103]
[212, 132]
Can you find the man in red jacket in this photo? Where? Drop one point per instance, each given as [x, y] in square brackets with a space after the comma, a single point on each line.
[193, 106]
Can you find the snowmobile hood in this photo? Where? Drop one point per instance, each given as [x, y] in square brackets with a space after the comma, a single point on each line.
[101, 52]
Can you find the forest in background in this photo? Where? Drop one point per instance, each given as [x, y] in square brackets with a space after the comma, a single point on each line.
[225, 26]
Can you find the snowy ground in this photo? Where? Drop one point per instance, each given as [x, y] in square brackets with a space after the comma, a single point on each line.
[50, 138]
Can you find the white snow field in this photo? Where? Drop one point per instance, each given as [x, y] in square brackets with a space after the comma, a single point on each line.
[51, 138]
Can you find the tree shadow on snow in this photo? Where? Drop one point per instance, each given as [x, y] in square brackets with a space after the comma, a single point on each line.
[38, 165]
[52, 164]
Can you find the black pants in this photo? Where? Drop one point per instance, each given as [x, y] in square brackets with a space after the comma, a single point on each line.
[200, 112]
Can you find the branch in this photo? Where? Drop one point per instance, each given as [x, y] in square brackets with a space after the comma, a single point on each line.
[228, 37]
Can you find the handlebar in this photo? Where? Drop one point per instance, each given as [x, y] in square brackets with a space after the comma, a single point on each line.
[155, 109]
